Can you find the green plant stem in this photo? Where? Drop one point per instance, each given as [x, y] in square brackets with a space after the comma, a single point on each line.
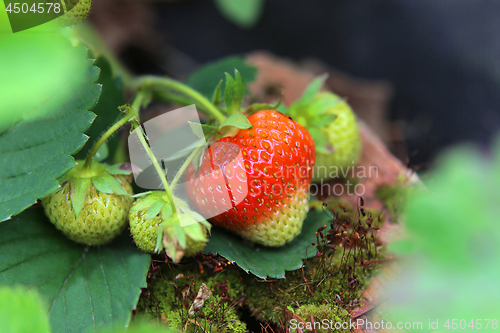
[130, 112]
[151, 83]
[151, 156]
[177, 99]
[139, 99]
[185, 165]
[88, 161]
[137, 127]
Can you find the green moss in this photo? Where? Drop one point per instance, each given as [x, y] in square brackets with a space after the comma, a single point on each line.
[316, 284]
[325, 287]
[172, 294]
[324, 317]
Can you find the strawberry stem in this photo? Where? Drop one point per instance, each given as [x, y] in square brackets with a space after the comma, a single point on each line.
[185, 165]
[129, 114]
[159, 170]
[104, 137]
[153, 83]
[142, 138]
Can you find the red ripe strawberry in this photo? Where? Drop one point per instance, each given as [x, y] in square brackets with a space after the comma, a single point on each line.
[256, 182]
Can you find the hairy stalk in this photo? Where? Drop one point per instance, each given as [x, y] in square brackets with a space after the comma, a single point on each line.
[130, 112]
[140, 98]
[105, 136]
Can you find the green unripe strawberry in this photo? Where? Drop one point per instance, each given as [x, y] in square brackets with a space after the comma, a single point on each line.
[92, 205]
[343, 146]
[152, 222]
[78, 11]
[333, 126]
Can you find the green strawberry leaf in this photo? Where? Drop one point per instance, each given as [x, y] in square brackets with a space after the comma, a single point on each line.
[85, 288]
[207, 77]
[106, 110]
[320, 140]
[168, 239]
[166, 212]
[166, 215]
[196, 129]
[243, 13]
[180, 235]
[108, 184]
[154, 209]
[208, 130]
[313, 88]
[235, 90]
[237, 120]
[138, 195]
[326, 120]
[195, 231]
[216, 98]
[258, 107]
[202, 130]
[79, 189]
[265, 261]
[144, 204]
[307, 97]
[47, 98]
[316, 111]
[282, 108]
[17, 304]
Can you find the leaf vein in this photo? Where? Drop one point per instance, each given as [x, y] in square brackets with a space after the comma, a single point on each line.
[107, 286]
[66, 281]
[26, 260]
[90, 296]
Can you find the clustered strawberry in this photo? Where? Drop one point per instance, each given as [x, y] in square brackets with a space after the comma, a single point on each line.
[253, 179]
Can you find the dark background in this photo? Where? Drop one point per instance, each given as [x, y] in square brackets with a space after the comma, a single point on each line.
[441, 56]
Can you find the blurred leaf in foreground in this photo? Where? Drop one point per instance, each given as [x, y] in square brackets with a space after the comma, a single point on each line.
[47, 87]
[453, 229]
[22, 311]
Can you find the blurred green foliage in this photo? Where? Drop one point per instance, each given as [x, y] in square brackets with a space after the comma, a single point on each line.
[453, 269]
[22, 311]
[243, 13]
[207, 77]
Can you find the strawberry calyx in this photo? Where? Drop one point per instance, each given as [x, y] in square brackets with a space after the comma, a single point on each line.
[256, 107]
[310, 111]
[184, 236]
[101, 176]
[182, 232]
[233, 93]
